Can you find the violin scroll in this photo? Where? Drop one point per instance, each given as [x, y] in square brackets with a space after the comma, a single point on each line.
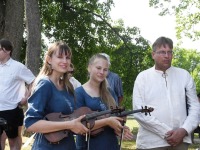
[147, 110]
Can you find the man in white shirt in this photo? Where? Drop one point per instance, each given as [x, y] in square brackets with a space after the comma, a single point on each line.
[73, 80]
[13, 76]
[164, 88]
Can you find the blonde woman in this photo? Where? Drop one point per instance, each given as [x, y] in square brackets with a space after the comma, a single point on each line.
[96, 95]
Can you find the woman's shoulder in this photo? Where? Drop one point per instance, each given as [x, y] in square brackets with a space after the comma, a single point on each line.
[43, 82]
[81, 92]
[79, 89]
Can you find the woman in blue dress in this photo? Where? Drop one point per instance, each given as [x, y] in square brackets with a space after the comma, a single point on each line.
[96, 95]
[52, 92]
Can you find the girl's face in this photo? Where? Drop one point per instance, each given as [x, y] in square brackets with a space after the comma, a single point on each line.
[60, 63]
[98, 70]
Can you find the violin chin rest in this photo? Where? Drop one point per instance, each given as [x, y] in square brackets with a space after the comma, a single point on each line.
[55, 137]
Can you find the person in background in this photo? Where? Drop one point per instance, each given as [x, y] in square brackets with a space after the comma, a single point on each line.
[22, 105]
[114, 82]
[53, 93]
[164, 87]
[13, 77]
[73, 80]
[96, 95]
[197, 130]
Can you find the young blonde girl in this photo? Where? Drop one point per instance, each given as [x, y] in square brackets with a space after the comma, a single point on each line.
[96, 95]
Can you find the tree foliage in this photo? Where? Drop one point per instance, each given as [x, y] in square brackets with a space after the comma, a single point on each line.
[88, 29]
[189, 60]
[85, 25]
[187, 15]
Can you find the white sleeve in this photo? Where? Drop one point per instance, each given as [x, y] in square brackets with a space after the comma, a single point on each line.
[148, 122]
[192, 119]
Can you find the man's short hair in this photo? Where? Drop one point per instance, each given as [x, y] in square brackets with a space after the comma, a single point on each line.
[4, 43]
[162, 41]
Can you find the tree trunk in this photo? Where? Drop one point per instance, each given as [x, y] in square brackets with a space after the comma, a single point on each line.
[2, 18]
[13, 24]
[33, 25]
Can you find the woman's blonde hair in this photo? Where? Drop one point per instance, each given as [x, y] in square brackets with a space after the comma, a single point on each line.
[105, 94]
[46, 69]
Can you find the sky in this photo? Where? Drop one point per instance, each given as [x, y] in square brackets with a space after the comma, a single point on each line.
[138, 13]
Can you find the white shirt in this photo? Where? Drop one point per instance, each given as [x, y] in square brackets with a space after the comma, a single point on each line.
[13, 76]
[166, 94]
[74, 82]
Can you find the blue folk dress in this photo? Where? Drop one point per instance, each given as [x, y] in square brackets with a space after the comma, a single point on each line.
[48, 99]
[106, 140]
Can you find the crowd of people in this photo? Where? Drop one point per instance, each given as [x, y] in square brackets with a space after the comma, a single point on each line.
[165, 88]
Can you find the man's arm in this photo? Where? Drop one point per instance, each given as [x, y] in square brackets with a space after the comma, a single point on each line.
[150, 123]
[194, 106]
[26, 95]
[119, 90]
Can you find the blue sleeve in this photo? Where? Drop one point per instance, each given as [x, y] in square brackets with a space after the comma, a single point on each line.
[80, 97]
[37, 102]
[118, 87]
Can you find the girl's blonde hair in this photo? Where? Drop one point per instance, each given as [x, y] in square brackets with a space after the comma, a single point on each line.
[46, 69]
[105, 94]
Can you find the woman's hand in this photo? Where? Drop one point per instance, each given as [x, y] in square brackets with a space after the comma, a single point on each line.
[77, 127]
[115, 123]
[127, 135]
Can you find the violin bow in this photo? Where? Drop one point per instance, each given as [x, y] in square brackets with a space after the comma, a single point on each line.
[88, 140]
[122, 134]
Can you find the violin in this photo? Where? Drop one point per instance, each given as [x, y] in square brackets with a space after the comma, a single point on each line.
[88, 120]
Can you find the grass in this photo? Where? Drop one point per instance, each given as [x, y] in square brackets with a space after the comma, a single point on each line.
[126, 145]
[130, 145]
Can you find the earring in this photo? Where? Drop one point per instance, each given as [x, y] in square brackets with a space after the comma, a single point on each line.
[49, 68]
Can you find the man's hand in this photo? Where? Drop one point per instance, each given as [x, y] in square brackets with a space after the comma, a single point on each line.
[23, 101]
[25, 98]
[175, 137]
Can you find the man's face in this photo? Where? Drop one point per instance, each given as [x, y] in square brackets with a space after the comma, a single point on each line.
[162, 57]
[4, 55]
